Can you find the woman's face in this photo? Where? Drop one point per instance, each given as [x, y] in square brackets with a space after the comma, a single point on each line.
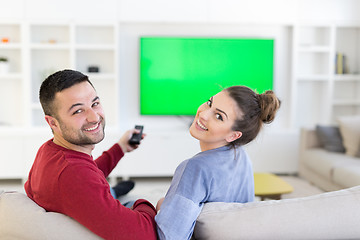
[213, 122]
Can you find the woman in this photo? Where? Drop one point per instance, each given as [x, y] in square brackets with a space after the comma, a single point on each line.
[222, 171]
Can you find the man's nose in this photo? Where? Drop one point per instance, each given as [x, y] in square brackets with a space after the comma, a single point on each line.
[92, 116]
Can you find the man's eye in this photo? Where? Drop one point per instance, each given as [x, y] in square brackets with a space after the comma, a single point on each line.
[95, 104]
[218, 116]
[209, 103]
[77, 111]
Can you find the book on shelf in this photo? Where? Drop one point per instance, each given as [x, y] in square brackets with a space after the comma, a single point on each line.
[340, 63]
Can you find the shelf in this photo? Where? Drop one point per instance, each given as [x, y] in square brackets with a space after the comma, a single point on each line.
[321, 95]
[94, 46]
[95, 35]
[347, 77]
[314, 48]
[49, 33]
[314, 77]
[46, 46]
[11, 76]
[15, 46]
[11, 33]
[313, 63]
[314, 35]
[346, 102]
[101, 76]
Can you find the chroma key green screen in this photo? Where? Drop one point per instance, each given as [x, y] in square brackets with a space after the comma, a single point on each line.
[178, 74]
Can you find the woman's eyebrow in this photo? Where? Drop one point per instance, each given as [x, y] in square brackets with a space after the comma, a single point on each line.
[222, 112]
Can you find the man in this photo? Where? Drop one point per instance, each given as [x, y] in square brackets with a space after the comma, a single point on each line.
[64, 177]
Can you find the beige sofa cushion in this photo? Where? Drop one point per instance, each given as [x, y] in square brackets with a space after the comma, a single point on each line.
[21, 218]
[350, 132]
[333, 215]
[324, 162]
[347, 175]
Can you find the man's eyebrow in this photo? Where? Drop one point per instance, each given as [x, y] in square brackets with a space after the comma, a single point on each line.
[222, 112]
[75, 105]
[81, 104]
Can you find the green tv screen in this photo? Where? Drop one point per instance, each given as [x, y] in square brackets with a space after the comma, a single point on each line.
[178, 74]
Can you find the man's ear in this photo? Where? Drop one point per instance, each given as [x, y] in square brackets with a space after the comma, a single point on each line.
[51, 121]
[233, 136]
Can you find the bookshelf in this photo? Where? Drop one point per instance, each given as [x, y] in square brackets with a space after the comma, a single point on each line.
[35, 50]
[322, 92]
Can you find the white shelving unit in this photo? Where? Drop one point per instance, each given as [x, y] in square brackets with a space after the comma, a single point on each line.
[12, 79]
[35, 50]
[75, 46]
[346, 95]
[319, 94]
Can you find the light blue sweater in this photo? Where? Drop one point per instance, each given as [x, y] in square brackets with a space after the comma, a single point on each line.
[218, 175]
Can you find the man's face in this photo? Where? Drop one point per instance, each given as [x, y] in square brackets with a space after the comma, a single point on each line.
[79, 116]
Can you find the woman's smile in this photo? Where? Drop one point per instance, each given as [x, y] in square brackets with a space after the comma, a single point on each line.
[200, 125]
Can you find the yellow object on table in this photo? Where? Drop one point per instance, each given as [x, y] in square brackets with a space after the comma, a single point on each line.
[268, 185]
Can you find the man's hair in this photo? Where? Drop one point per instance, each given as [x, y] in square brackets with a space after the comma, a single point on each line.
[55, 83]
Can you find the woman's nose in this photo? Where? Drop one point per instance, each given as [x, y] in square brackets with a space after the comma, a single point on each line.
[204, 114]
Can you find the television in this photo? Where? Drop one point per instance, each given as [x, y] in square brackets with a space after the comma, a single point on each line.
[178, 74]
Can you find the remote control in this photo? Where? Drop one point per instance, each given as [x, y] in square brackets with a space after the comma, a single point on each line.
[136, 137]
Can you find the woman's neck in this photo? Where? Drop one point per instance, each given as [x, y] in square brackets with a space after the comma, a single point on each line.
[208, 146]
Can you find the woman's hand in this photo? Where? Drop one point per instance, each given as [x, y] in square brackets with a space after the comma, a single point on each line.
[158, 205]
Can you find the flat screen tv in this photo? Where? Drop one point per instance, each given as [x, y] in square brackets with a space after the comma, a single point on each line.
[177, 74]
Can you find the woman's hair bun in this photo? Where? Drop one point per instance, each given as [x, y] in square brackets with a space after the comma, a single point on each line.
[269, 105]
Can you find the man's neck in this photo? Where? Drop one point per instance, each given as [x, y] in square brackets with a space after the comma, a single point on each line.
[87, 149]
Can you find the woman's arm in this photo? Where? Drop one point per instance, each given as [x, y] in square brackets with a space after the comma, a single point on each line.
[183, 202]
[177, 218]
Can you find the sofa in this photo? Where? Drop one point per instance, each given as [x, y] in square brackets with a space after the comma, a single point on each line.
[331, 215]
[324, 157]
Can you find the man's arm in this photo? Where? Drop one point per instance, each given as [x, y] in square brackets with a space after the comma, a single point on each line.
[85, 196]
[109, 159]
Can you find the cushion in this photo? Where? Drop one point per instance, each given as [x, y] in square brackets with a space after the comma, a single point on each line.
[330, 138]
[358, 153]
[21, 218]
[350, 132]
[332, 215]
[347, 175]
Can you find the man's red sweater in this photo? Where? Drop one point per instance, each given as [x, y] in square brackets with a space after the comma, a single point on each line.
[72, 183]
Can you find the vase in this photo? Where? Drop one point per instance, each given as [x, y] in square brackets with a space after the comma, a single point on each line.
[4, 67]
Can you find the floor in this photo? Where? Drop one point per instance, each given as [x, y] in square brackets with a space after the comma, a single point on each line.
[153, 189]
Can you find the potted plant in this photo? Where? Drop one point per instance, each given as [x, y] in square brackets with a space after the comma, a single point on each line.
[4, 65]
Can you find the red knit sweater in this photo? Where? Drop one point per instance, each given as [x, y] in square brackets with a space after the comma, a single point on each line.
[72, 183]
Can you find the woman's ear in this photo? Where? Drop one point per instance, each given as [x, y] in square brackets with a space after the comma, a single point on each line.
[233, 136]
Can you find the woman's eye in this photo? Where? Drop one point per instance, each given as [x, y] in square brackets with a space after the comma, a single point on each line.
[218, 116]
[209, 103]
[95, 104]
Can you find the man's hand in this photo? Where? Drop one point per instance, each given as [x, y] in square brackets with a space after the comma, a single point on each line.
[158, 205]
[124, 141]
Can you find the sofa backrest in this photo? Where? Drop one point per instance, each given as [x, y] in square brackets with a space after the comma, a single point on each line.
[21, 218]
[331, 215]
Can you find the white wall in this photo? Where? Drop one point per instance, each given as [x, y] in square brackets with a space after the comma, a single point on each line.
[276, 148]
[185, 11]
